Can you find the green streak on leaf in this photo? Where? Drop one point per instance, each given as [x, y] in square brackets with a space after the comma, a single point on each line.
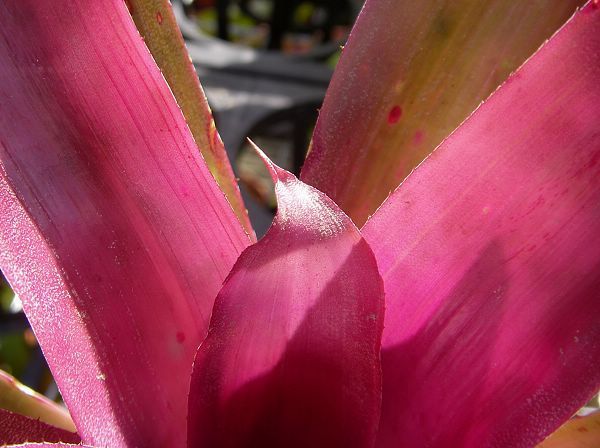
[157, 25]
[410, 73]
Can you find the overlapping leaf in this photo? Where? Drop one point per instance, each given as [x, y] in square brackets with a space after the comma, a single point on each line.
[411, 72]
[15, 428]
[579, 432]
[157, 24]
[292, 355]
[17, 398]
[112, 229]
[491, 264]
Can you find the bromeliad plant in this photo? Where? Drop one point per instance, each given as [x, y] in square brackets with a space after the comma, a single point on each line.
[464, 313]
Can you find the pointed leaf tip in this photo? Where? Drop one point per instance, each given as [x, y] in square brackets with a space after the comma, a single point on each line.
[296, 202]
[277, 174]
[292, 355]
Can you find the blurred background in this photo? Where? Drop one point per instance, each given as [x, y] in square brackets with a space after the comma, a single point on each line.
[265, 66]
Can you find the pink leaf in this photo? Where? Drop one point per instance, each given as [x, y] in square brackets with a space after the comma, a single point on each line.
[112, 230]
[156, 23]
[491, 262]
[411, 72]
[292, 355]
[15, 428]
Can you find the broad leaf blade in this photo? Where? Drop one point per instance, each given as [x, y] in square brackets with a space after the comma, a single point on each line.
[156, 23]
[579, 432]
[15, 428]
[292, 356]
[20, 399]
[491, 264]
[112, 230]
[411, 72]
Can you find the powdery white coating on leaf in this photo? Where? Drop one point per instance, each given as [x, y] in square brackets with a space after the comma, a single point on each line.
[296, 205]
[299, 214]
[292, 355]
[491, 264]
[28, 262]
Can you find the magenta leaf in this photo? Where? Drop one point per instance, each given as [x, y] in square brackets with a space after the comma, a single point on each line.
[157, 25]
[15, 428]
[292, 355]
[491, 264]
[112, 230]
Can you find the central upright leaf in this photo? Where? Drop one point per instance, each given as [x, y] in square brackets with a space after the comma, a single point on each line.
[292, 355]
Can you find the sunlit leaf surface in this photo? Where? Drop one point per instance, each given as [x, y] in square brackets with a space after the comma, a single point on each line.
[292, 356]
[491, 264]
[411, 72]
[156, 23]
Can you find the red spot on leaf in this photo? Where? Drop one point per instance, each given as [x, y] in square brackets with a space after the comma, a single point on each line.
[159, 18]
[582, 429]
[180, 336]
[394, 115]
